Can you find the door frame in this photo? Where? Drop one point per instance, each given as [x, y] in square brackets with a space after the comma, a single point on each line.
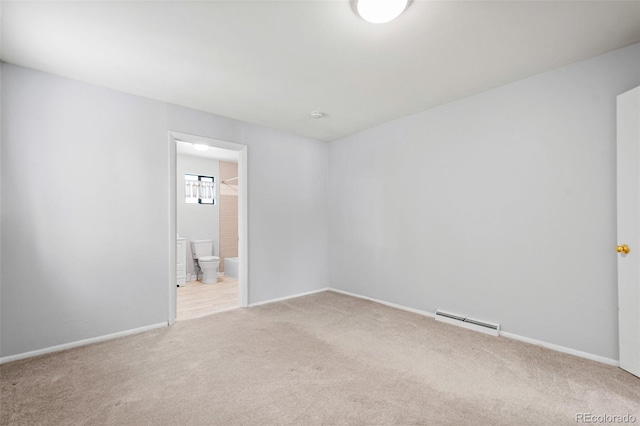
[243, 237]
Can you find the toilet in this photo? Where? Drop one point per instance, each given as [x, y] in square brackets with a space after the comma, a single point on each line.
[202, 251]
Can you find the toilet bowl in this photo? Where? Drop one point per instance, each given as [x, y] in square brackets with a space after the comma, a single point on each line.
[209, 266]
[202, 253]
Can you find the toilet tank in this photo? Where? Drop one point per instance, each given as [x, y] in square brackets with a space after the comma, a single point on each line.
[201, 248]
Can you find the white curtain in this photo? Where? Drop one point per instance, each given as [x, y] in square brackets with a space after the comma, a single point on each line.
[191, 188]
[198, 189]
[206, 190]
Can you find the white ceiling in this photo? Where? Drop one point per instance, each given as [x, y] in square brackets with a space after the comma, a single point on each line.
[214, 153]
[273, 62]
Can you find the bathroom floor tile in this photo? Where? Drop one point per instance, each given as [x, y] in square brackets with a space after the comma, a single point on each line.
[196, 299]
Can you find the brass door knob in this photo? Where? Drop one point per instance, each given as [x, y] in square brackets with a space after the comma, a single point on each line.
[623, 249]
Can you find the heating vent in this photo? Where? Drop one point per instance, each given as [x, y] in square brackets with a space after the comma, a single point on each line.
[473, 324]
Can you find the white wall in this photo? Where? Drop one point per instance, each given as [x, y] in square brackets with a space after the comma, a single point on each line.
[197, 221]
[84, 213]
[500, 206]
[85, 209]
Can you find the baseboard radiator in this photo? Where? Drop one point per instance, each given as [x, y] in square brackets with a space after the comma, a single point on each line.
[472, 324]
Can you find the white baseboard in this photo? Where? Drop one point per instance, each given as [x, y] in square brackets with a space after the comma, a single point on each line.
[563, 349]
[58, 348]
[293, 296]
[508, 335]
[382, 302]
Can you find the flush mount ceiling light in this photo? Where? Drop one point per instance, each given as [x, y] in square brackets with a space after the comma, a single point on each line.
[200, 147]
[379, 11]
[316, 114]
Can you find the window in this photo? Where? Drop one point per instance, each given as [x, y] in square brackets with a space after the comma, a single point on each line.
[199, 189]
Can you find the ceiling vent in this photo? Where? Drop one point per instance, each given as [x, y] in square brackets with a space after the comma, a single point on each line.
[472, 324]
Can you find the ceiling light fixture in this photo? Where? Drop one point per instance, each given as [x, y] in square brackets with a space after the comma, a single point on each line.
[379, 11]
[316, 114]
[200, 147]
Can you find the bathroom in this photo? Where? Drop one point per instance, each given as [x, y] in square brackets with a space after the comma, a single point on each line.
[207, 227]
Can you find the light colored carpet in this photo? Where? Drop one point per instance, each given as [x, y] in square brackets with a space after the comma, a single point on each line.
[320, 359]
[196, 299]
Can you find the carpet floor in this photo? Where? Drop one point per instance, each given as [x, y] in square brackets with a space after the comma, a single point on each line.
[321, 359]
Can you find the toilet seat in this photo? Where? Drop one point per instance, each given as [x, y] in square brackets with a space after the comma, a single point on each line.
[208, 258]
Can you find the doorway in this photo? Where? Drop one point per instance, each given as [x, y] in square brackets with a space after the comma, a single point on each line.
[215, 291]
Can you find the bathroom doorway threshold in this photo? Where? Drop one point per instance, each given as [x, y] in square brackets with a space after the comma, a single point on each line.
[243, 258]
